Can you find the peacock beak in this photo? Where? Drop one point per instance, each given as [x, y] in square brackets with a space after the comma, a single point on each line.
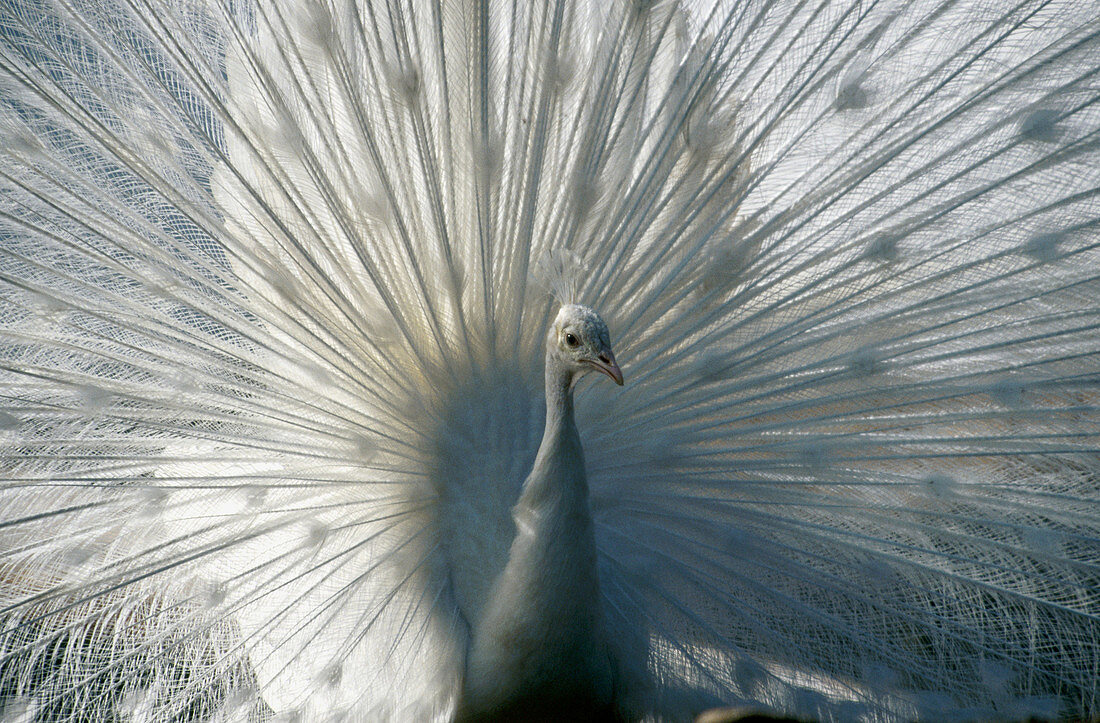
[606, 363]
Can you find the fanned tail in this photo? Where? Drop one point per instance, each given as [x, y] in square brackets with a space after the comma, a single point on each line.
[272, 306]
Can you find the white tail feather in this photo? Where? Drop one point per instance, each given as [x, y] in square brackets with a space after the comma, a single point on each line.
[272, 315]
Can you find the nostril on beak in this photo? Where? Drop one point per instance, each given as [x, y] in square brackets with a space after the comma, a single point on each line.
[604, 359]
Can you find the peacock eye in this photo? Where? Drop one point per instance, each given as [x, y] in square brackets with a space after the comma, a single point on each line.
[570, 340]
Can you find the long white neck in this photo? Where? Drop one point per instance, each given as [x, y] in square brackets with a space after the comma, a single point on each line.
[559, 464]
[559, 400]
[540, 641]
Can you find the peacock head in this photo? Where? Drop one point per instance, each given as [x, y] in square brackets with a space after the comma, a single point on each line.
[579, 341]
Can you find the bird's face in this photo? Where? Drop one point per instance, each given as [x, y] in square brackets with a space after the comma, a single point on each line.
[580, 340]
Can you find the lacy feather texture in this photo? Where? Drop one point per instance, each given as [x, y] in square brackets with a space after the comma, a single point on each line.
[291, 426]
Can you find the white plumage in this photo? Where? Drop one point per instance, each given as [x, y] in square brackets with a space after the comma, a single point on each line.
[537, 640]
[274, 300]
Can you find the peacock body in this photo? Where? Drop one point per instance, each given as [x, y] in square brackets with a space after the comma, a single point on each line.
[276, 414]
